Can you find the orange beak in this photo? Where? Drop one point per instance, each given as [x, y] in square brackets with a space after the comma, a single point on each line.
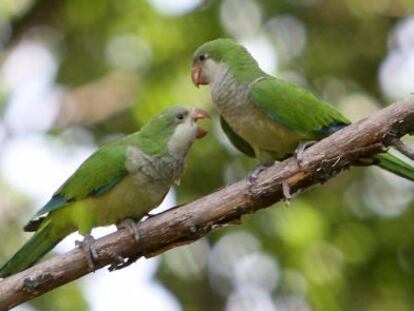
[197, 114]
[197, 77]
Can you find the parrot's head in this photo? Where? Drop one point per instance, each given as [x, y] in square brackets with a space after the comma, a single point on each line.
[178, 125]
[215, 57]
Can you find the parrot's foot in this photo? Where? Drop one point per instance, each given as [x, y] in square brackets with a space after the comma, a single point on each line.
[87, 245]
[255, 173]
[286, 192]
[131, 226]
[298, 154]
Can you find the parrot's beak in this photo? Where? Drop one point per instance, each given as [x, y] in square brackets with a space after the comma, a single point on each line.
[197, 77]
[197, 114]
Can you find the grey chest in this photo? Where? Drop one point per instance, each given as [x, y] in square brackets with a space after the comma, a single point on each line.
[165, 169]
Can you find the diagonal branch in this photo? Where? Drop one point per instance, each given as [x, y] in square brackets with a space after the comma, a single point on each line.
[189, 222]
[403, 148]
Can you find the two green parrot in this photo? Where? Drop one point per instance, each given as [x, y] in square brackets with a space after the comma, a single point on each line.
[265, 117]
[123, 179]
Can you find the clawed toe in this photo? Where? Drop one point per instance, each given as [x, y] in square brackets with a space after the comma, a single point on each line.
[88, 246]
[131, 226]
[255, 173]
[298, 154]
[286, 192]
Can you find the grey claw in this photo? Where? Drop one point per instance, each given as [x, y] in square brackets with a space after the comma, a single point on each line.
[131, 226]
[298, 154]
[255, 173]
[87, 245]
[286, 192]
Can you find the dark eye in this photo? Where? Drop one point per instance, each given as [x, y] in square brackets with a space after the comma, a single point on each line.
[202, 57]
[180, 116]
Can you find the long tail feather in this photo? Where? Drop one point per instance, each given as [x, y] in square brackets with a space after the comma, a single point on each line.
[38, 245]
[395, 165]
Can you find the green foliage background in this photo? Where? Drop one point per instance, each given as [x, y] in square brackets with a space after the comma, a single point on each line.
[345, 245]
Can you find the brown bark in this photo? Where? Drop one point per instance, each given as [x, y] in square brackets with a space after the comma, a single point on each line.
[191, 221]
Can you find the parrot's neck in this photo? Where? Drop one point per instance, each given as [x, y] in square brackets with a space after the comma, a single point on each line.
[228, 94]
[181, 140]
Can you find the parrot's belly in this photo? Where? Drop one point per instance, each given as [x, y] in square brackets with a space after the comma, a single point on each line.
[132, 198]
[270, 140]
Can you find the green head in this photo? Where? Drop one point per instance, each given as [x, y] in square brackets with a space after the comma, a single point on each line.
[173, 130]
[221, 54]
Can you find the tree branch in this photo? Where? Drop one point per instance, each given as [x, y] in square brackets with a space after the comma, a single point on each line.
[190, 222]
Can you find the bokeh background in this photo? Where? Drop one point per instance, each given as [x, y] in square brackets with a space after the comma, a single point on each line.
[75, 74]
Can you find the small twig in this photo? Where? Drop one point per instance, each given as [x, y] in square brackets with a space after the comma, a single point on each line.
[403, 148]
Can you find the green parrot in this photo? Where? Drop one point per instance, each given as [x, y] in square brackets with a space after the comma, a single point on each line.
[263, 116]
[123, 179]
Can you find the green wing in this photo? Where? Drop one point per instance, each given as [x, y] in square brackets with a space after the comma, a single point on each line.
[295, 107]
[97, 175]
[238, 142]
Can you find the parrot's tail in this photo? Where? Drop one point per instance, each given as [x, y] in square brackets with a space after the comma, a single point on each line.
[42, 241]
[395, 165]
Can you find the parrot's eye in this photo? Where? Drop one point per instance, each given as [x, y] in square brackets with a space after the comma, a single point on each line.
[180, 116]
[202, 57]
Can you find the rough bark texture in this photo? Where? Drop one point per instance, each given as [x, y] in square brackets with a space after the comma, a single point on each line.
[191, 221]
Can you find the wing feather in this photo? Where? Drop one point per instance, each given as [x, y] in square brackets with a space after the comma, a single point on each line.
[294, 107]
[238, 142]
[102, 171]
